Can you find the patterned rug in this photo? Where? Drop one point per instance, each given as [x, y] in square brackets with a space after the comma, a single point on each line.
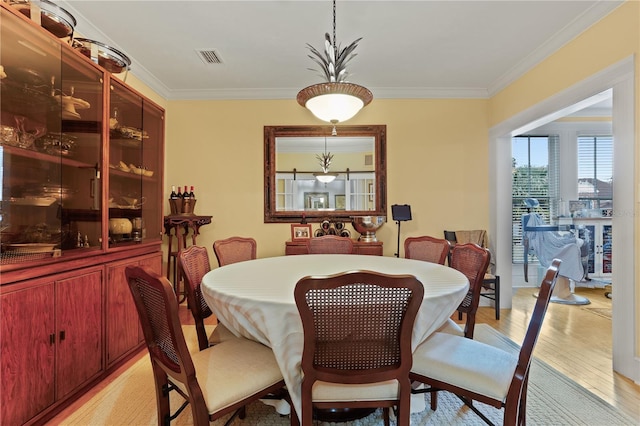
[553, 399]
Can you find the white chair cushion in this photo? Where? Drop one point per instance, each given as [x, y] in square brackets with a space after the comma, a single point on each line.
[220, 334]
[451, 327]
[331, 392]
[465, 363]
[233, 370]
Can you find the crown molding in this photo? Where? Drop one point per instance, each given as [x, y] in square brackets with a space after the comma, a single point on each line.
[588, 18]
[594, 14]
[290, 93]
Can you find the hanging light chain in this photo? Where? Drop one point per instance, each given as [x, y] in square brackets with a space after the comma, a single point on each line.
[335, 40]
[333, 69]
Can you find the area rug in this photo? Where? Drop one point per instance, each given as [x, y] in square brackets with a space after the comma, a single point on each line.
[553, 399]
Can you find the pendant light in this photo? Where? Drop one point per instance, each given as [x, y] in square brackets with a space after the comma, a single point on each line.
[325, 162]
[335, 100]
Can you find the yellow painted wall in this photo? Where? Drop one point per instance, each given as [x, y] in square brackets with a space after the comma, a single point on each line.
[134, 82]
[217, 146]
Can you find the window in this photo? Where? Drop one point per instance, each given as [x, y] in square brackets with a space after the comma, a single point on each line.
[535, 174]
[595, 170]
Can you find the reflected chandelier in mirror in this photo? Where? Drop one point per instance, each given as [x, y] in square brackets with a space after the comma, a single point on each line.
[293, 172]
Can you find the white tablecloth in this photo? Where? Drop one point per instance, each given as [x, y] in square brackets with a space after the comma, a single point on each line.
[254, 299]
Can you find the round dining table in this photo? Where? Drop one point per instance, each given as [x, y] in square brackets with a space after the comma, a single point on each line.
[254, 299]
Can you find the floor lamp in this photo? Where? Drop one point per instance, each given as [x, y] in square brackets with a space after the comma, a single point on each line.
[400, 213]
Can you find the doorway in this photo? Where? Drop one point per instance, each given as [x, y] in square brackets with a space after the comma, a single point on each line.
[620, 78]
[568, 192]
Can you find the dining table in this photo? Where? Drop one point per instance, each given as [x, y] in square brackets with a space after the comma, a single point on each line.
[254, 299]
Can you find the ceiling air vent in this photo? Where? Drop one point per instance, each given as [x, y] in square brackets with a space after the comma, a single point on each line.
[209, 56]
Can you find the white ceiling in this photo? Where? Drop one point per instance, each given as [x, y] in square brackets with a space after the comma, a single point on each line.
[410, 49]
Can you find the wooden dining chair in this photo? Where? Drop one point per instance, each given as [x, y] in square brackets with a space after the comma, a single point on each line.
[491, 282]
[472, 260]
[193, 264]
[429, 249]
[229, 376]
[330, 244]
[234, 249]
[476, 371]
[357, 341]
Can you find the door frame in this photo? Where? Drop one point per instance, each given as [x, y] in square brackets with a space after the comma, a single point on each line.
[620, 78]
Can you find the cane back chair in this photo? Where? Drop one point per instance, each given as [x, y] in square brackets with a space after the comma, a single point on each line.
[491, 282]
[472, 260]
[429, 249]
[330, 244]
[357, 332]
[193, 263]
[234, 249]
[230, 375]
[476, 371]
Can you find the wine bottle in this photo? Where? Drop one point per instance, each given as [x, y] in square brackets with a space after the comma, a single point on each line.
[179, 194]
[186, 194]
[192, 195]
[174, 195]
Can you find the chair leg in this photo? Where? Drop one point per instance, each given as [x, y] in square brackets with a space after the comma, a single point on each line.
[385, 416]
[434, 400]
[162, 396]
[404, 406]
[522, 411]
[293, 415]
[306, 415]
[496, 286]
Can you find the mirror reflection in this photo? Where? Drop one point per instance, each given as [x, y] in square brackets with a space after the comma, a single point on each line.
[312, 172]
[325, 173]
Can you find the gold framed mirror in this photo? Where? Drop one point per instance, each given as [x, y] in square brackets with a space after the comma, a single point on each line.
[353, 182]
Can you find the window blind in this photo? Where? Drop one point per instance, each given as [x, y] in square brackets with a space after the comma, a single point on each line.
[595, 170]
[535, 174]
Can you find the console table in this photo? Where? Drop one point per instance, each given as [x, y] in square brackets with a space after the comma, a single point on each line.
[359, 247]
[179, 225]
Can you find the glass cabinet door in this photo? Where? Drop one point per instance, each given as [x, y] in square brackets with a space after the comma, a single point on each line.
[78, 145]
[152, 155]
[135, 178]
[51, 138]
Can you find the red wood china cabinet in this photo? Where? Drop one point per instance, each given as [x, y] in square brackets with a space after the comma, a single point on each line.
[81, 163]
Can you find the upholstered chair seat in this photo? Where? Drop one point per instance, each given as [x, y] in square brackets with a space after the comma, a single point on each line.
[248, 365]
[446, 357]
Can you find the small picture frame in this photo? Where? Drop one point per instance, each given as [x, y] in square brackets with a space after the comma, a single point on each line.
[300, 232]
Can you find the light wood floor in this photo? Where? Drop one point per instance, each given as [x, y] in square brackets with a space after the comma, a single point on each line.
[574, 340]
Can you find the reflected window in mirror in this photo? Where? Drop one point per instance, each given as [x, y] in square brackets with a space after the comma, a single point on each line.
[299, 158]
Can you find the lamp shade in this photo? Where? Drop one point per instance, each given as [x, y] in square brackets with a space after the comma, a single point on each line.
[334, 102]
[325, 177]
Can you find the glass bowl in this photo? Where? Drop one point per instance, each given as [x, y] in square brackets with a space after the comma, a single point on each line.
[53, 18]
[108, 57]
